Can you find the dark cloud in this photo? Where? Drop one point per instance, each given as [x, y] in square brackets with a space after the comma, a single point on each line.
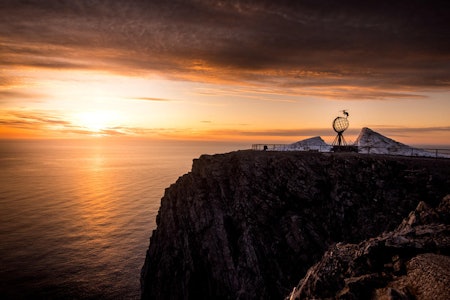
[384, 45]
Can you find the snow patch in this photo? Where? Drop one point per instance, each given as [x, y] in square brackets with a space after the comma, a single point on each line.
[372, 142]
[311, 144]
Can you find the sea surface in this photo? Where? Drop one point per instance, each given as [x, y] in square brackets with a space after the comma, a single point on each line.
[76, 216]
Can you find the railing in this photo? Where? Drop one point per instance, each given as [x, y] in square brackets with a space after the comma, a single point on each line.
[419, 152]
[269, 147]
[288, 147]
[440, 152]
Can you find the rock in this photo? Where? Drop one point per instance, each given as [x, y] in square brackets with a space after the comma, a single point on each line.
[249, 224]
[410, 262]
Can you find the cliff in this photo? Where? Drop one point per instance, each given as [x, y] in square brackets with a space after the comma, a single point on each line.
[248, 224]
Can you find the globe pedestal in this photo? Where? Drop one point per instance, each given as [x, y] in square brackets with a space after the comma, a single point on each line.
[339, 140]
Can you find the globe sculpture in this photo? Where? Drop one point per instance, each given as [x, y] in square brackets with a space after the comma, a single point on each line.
[340, 124]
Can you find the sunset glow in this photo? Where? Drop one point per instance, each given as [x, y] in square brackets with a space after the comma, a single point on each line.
[223, 71]
[97, 121]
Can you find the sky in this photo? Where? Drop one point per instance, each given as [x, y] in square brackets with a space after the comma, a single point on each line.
[257, 71]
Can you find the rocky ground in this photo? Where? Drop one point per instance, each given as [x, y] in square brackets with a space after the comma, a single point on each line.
[249, 224]
[411, 262]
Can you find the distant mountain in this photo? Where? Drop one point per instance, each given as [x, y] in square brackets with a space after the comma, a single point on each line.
[370, 141]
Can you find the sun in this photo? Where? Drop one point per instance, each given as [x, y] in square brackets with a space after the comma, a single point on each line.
[97, 121]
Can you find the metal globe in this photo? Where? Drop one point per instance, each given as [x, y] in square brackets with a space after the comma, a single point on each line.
[340, 124]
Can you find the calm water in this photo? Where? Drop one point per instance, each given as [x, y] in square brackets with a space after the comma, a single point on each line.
[76, 216]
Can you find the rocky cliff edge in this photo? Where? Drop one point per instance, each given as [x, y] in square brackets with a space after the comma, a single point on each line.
[411, 262]
[249, 225]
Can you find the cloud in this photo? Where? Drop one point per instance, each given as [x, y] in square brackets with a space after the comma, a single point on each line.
[409, 130]
[292, 92]
[151, 99]
[33, 120]
[51, 122]
[39, 121]
[299, 132]
[384, 46]
[10, 96]
[327, 133]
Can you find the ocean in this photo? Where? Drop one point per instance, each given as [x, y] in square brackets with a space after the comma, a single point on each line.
[76, 216]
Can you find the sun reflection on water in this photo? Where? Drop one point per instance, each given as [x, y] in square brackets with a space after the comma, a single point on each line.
[76, 217]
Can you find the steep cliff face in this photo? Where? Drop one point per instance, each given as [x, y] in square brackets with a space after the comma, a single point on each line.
[248, 225]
